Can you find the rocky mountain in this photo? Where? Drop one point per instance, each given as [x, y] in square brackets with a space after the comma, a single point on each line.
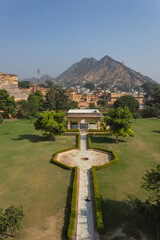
[106, 73]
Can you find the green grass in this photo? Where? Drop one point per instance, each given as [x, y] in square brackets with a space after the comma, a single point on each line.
[115, 183]
[27, 177]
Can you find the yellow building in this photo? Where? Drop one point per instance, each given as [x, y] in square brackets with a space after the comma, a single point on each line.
[112, 97]
[8, 79]
[83, 99]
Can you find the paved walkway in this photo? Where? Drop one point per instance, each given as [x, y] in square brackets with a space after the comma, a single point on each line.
[85, 225]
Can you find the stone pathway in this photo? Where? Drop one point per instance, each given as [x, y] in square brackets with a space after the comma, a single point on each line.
[85, 224]
[84, 159]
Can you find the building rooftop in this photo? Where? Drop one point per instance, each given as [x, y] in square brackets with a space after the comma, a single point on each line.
[14, 91]
[82, 111]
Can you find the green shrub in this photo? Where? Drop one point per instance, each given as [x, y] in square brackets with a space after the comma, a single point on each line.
[60, 164]
[72, 219]
[97, 200]
[112, 162]
[78, 141]
[95, 130]
[72, 130]
[1, 119]
[103, 126]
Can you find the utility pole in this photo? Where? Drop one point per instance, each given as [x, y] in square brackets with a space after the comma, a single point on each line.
[38, 73]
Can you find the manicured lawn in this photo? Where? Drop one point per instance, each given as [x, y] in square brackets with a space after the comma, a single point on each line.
[135, 156]
[27, 177]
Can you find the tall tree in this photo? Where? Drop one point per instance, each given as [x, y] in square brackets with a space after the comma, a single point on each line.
[33, 104]
[152, 108]
[118, 121]
[149, 89]
[127, 101]
[7, 103]
[39, 96]
[23, 84]
[56, 99]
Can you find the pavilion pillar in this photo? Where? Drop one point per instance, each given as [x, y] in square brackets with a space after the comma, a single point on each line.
[69, 124]
[79, 121]
[98, 124]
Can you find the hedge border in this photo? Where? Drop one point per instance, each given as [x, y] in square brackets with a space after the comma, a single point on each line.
[73, 212]
[72, 130]
[97, 198]
[97, 130]
[72, 218]
[97, 201]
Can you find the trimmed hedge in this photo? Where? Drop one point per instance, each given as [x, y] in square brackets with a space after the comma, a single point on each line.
[72, 218]
[112, 162]
[97, 200]
[72, 130]
[60, 164]
[96, 130]
[78, 141]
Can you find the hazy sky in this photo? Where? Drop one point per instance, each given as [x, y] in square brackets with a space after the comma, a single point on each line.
[54, 34]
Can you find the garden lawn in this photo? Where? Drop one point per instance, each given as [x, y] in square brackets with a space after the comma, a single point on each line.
[136, 154]
[28, 178]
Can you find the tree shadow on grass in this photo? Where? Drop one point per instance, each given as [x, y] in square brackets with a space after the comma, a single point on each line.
[156, 131]
[117, 214]
[33, 138]
[99, 139]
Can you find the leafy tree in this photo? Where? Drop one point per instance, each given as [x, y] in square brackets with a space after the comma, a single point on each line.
[49, 83]
[22, 108]
[73, 104]
[127, 101]
[51, 122]
[23, 84]
[153, 105]
[150, 88]
[151, 183]
[136, 115]
[30, 107]
[102, 102]
[90, 85]
[39, 96]
[152, 111]
[91, 105]
[7, 103]
[150, 208]
[33, 104]
[118, 121]
[10, 219]
[56, 99]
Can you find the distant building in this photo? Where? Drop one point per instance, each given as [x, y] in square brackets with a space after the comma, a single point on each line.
[9, 82]
[33, 88]
[83, 99]
[113, 96]
[8, 79]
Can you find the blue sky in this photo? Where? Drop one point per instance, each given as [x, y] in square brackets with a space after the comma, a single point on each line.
[54, 34]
